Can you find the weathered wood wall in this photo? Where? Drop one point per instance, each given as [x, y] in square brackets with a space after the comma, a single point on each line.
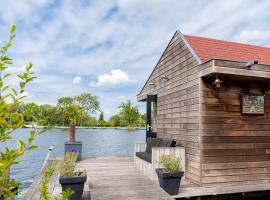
[178, 101]
[222, 145]
[235, 148]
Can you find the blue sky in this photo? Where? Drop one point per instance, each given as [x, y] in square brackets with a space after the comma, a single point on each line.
[108, 47]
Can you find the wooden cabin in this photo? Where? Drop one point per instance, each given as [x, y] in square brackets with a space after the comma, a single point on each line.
[213, 98]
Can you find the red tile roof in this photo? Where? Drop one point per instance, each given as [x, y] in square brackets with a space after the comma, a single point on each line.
[207, 49]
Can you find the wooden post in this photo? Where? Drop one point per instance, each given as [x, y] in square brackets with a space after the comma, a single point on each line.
[148, 116]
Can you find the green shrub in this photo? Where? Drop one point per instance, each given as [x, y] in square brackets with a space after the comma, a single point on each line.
[11, 100]
[47, 174]
[171, 163]
[49, 171]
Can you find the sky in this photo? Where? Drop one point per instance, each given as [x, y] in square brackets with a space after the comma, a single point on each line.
[110, 47]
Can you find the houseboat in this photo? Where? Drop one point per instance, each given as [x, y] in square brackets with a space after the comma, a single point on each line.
[213, 98]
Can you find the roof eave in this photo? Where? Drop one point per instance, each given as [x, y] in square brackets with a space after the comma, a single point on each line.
[189, 47]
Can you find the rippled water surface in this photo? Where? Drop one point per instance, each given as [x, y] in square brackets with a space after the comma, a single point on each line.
[96, 143]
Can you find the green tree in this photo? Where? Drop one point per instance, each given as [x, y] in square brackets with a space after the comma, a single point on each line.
[115, 120]
[89, 121]
[101, 117]
[74, 110]
[88, 102]
[142, 120]
[101, 121]
[49, 115]
[31, 112]
[78, 109]
[10, 119]
[129, 113]
[63, 103]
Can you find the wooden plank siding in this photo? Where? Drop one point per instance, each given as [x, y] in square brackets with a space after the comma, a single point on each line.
[235, 148]
[178, 101]
[222, 145]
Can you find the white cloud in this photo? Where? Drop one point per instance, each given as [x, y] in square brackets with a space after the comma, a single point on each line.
[252, 36]
[117, 78]
[111, 33]
[122, 97]
[77, 80]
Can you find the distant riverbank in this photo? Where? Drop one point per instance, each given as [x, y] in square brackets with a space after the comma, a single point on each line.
[82, 127]
[118, 128]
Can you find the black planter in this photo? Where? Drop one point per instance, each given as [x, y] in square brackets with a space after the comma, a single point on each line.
[169, 182]
[74, 147]
[76, 184]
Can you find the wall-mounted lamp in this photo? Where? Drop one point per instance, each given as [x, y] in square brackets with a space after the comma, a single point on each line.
[217, 82]
[165, 78]
[249, 64]
[151, 84]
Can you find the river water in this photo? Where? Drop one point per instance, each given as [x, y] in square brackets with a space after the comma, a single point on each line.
[96, 143]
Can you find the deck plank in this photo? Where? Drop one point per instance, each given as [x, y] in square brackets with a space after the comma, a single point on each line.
[115, 178]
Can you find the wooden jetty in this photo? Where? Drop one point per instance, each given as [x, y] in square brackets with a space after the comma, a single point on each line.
[115, 178]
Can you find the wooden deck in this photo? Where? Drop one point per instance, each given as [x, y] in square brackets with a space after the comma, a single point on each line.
[115, 178]
[190, 190]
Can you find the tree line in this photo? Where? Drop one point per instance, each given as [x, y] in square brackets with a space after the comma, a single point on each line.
[82, 109]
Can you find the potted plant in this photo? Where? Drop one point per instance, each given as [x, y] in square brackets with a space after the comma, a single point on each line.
[170, 176]
[70, 178]
[73, 113]
[72, 145]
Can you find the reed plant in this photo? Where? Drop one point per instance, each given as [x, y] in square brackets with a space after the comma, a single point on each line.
[67, 166]
[171, 164]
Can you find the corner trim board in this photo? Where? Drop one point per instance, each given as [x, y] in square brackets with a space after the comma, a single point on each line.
[189, 47]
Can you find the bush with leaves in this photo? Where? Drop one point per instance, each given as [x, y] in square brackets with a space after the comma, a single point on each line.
[11, 99]
[44, 191]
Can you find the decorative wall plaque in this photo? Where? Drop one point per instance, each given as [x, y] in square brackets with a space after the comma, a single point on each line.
[252, 104]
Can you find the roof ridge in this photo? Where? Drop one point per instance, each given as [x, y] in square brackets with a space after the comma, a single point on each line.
[227, 41]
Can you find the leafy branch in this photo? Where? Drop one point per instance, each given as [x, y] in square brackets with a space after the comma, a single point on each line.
[10, 120]
[44, 191]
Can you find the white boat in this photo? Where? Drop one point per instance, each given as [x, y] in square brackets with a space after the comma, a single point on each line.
[33, 125]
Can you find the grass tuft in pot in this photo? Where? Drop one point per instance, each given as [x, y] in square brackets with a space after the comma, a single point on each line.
[170, 174]
[70, 178]
[170, 163]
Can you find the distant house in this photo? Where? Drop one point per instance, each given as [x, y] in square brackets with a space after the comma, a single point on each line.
[213, 97]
